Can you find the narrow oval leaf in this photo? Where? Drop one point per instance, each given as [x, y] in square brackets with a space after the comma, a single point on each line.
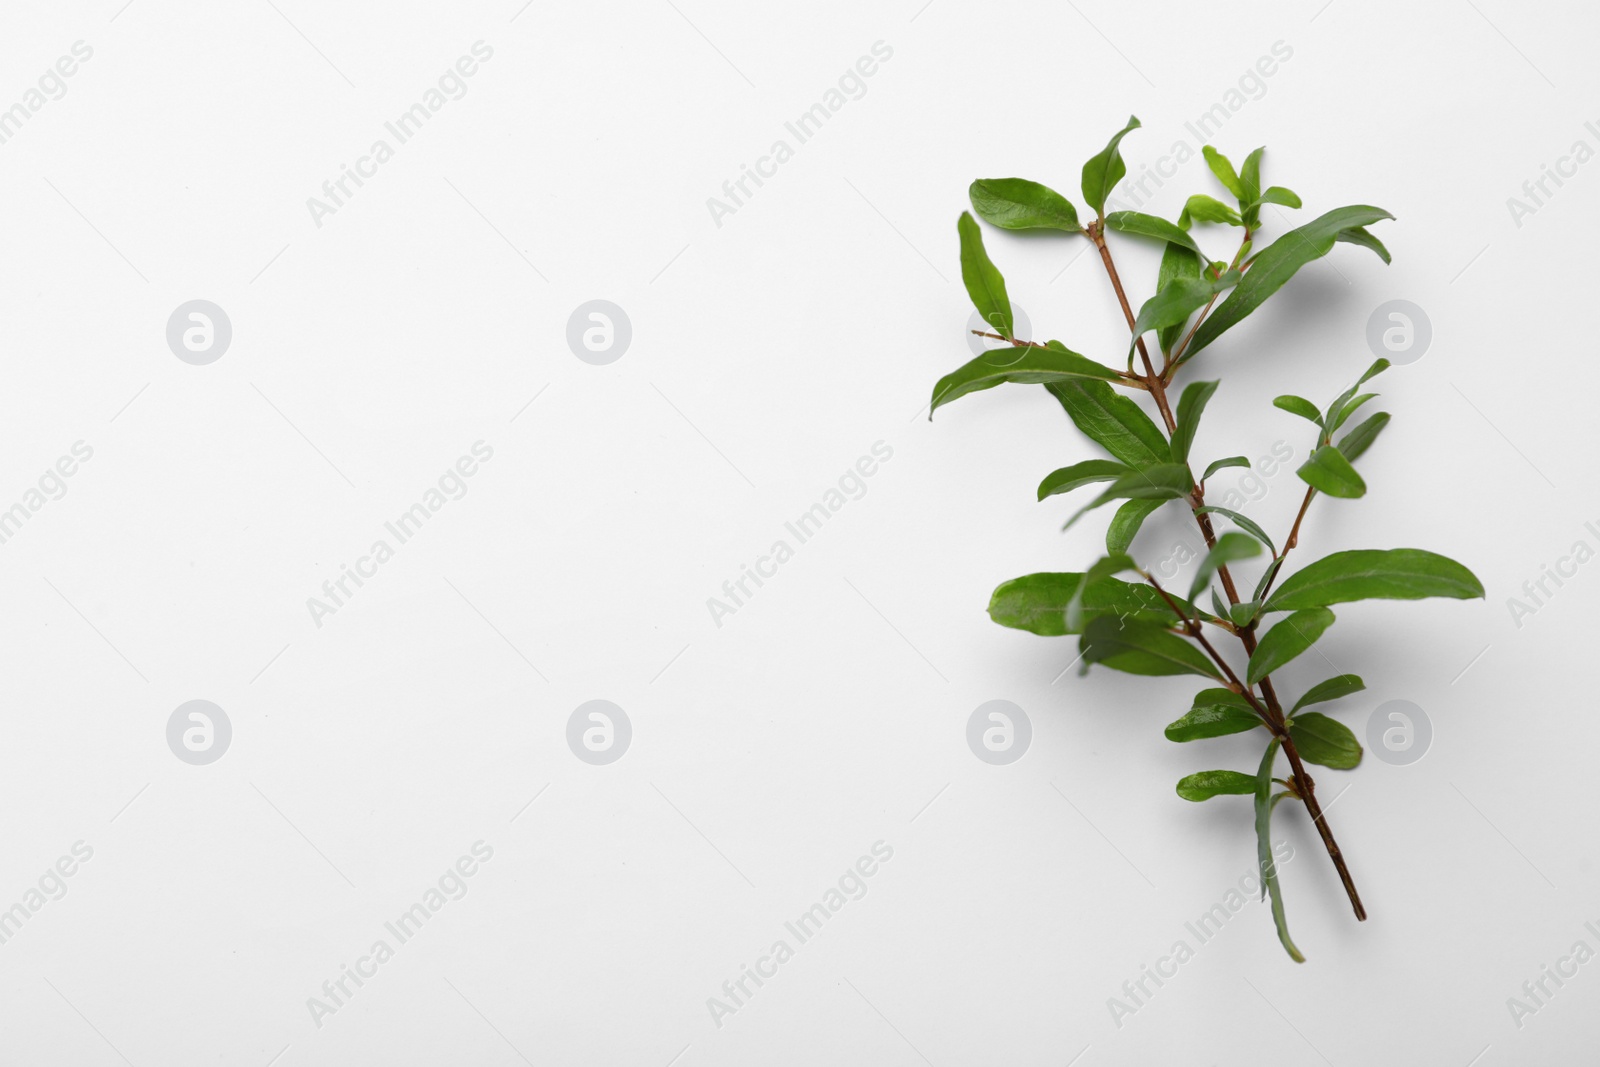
[1375, 574]
[1113, 421]
[1216, 713]
[1329, 472]
[1163, 481]
[1324, 741]
[1026, 364]
[1191, 405]
[1224, 464]
[1250, 183]
[1037, 603]
[1264, 804]
[1208, 784]
[1223, 169]
[1277, 194]
[1102, 570]
[1126, 522]
[1141, 648]
[1276, 264]
[1210, 209]
[1287, 640]
[1359, 439]
[1298, 405]
[1248, 525]
[1341, 685]
[1181, 298]
[985, 284]
[1018, 204]
[1176, 262]
[1152, 226]
[1104, 171]
[1358, 235]
[1347, 410]
[1080, 474]
[1230, 547]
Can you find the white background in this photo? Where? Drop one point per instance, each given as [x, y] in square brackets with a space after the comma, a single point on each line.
[768, 354]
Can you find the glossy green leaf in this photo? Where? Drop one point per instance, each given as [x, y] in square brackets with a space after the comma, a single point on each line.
[1250, 184]
[1223, 169]
[1038, 603]
[1113, 421]
[1026, 364]
[1244, 523]
[1329, 472]
[1266, 577]
[1244, 612]
[1105, 170]
[1018, 204]
[1163, 481]
[1359, 235]
[1277, 194]
[1350, 408]
[1210, 209]
[1360, 438]
[1336, 410]
[1286, 640]
[1276, 264]
[1208, 784]
[1375, 573]
[1101, 570]
[1177, 263]
[1216, 713]
[1224, 464]
[985, 284]
[1151, 226]
[1230, 548]
[1139, 647]
[1340, 685]
[1191, 405]
[1080, 474]
[1265, 803]
[1298, 405]
[1324, 741]
[1125, 523]
[1181, 298]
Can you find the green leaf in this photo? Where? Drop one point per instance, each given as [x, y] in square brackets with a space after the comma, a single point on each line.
[1181, 298]
[1210, 209]
[1208, 784]
[1224, 464]
[1276, 264]
[1141, 648]
[1113, 421]
[1104, 171]
[1359, 439]
[1329, 472]
[1080, 474]
[985, 284]
[1340, 685]
[1298, 405]
[1336, 410]
[1285, 641]
[1018, 204]
[1324, 741]
[1244, 612]
[1375, 573]
[1126, 522]
[1151, 226]
[1177, 263]
[1223, 169]
[1266, 577]
[1278, 195]
[1025, 364]
[1216, 713]
[1347, 410]
[1191, 405]
[1264, 861]
[1163, 481]
[1249, 526]
[1038, 603]
[1250, 183]
[1359, 235]
[1230, 548]
[1102, 569]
